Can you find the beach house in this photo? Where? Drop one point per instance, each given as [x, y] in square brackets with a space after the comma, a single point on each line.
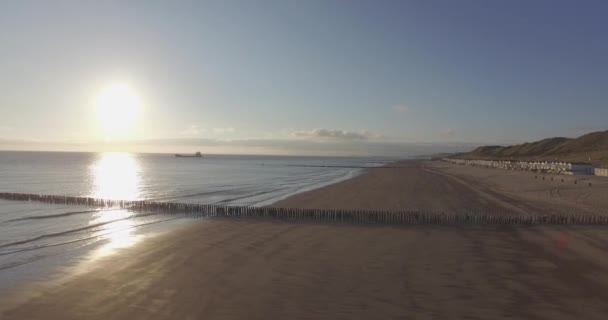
[569, 168]
[602, 172]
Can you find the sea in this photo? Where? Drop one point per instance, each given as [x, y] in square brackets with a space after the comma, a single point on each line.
[38, 238]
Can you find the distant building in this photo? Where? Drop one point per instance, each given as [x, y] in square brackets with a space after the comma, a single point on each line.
[582, 168]
[569, 168]
[602, 172]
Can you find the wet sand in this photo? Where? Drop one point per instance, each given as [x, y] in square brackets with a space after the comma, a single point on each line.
[226, 269]
[254, 269]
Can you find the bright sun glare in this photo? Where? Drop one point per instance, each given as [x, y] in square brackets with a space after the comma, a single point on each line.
[115, 176]
[118, 107]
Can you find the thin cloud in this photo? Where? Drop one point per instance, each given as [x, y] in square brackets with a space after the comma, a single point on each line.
[192, 131]
[401, 108]
[586, 127]
[246, 146]
[328, 134]
[223, 130]
[307, 146]
[449, 132]
[5, 131]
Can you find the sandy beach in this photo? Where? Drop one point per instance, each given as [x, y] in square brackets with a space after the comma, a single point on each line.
[441, 186]
[255, 269]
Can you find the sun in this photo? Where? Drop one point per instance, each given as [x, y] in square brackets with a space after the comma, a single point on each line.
[118, 108]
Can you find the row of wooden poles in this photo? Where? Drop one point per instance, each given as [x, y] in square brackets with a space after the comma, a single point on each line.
[328, 215]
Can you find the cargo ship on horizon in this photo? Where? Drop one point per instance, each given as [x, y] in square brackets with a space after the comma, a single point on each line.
[196, 155]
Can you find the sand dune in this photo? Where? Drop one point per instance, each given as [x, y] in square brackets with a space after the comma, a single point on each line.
[592, 146]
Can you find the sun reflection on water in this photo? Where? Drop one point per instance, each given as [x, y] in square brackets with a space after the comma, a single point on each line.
[115, 176]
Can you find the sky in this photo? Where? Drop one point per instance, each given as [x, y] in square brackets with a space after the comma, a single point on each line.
[302, 77]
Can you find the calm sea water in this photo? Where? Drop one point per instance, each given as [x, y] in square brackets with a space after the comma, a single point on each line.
[36, 237]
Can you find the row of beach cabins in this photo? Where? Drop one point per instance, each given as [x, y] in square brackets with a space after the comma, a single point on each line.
[569, 168]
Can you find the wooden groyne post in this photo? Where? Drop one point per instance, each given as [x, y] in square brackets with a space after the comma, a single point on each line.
[320, 215]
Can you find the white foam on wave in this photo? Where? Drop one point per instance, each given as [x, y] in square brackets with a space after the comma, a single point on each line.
[348, 175]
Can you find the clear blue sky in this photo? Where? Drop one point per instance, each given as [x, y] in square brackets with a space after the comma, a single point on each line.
[349, 73]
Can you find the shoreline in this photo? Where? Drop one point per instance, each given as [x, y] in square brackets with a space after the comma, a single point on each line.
[278, 269]
[53, 266]
[47, 259]
[350, 175]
